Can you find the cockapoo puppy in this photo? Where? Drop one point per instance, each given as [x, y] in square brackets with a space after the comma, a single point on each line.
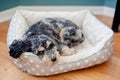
[48, 38]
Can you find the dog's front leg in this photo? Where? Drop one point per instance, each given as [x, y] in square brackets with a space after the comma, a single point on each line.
[67, 51]
[46, 61]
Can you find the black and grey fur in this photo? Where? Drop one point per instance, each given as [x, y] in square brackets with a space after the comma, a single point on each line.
[43, 38]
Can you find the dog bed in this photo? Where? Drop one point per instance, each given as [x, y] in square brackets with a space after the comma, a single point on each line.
[97, 47]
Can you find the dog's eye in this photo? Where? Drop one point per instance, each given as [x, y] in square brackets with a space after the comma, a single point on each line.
[66, 35]
[40, 53]
[72, 32]
[51, 46]
[44, 44]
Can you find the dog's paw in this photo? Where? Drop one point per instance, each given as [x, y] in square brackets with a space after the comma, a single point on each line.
[46, 61]
[67, 51]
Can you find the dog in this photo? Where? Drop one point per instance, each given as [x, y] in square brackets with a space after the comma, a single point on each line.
[49, 37]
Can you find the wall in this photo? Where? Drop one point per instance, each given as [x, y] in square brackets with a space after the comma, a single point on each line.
[7, 4]
[63, 2]
[110, 3]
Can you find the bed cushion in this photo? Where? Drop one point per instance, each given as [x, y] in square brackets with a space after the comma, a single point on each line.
[97, 47]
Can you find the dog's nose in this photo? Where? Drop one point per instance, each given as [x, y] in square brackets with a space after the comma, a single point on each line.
[53, 59]
[82, 38]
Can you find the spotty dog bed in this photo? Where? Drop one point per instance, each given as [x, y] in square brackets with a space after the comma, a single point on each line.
[97, 47]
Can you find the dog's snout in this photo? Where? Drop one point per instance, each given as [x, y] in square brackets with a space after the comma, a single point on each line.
[82, 38]
[73, 32]
[53, 59]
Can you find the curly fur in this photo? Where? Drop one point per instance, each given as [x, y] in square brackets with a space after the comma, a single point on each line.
[47, 37]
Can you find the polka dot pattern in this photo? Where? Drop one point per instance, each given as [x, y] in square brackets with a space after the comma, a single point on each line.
[20, 66]
[37, 66]
[37, 74]
[61, 68]
[90, 64]
[52, 70]
[100, 57]
[47, 74]
[78, 63]
[31, 61]
[28, 64]
[70, 65]
[81, 67]
[42, 70]
[94, 59]
[56, 72]
[29, 71]
[33, 69]
[86, 61]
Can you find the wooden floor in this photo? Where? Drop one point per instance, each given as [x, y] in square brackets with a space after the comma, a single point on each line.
[110, 70]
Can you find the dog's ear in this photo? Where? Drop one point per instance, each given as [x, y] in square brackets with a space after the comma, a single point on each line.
[26, 46]
[15, 49]
[18, 47]
[61, 35]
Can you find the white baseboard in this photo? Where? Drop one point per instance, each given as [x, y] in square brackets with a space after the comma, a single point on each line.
[7, 14]
[108, 11]
[102, 10]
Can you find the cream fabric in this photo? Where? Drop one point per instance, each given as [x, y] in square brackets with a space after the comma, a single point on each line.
[97, 47]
